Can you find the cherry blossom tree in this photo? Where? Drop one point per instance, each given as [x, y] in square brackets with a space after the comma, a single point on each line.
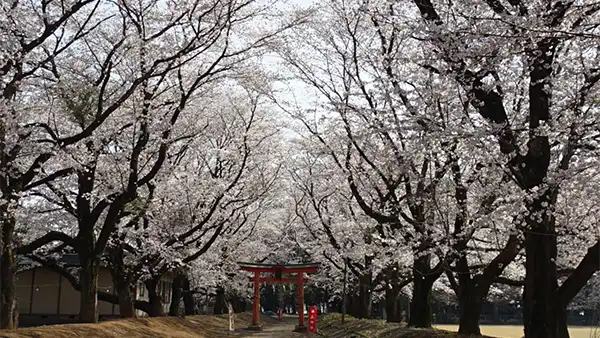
[342, 235]
[528, 71]
[128, 106]
[392, 156]
[34, 35]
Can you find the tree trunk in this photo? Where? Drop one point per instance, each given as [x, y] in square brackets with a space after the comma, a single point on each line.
[88, 277]
[126, 300]
[365, 296]
[220, 307]
[420, 307]
[189, 304]
[154, 298]
[470, 311]
[392, 305]
[8, 294]
[238, 303]
[392, 294]
[354, 305]
[188, 299]
[123, 283]
[176, 294]
[542, 314]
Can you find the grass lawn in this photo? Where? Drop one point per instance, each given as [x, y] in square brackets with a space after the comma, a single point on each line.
[514, 331]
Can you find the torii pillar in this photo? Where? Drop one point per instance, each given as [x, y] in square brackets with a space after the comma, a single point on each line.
[256, 304]
[300, 327]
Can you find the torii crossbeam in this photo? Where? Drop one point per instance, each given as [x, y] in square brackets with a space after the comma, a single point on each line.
[277, 271]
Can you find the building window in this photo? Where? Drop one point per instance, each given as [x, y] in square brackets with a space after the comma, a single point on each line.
[142, 289]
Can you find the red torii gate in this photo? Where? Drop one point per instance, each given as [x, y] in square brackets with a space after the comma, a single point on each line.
[277, 271]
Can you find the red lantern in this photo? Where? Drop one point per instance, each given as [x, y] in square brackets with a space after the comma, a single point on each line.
[312, 319]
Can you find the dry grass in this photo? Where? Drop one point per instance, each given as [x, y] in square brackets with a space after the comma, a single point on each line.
[190, 327]
[330, 325]
[516, 331]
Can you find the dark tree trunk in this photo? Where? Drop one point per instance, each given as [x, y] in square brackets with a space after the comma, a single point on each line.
[365, 296]
[470, 311]
[88, 310]
[238, 303]
[9, 316]
[126, 294]
[181, 293]
[392, 294]
[123, 283]
[354, 305]
[188, 299]
[220, 306]
[392, 305]
[88, 278]
[420, 307]
[154, 298]
[177, 292]
[542, 314]
[471, 293]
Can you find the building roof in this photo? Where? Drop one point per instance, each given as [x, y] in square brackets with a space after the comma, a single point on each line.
[66, 260]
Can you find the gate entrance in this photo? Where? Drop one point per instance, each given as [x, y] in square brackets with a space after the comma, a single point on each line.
[276, 273]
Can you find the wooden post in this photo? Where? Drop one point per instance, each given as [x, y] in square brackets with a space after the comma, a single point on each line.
[59, 294]
[300, 284]
[32, 290]
[231, 316]
[344, 292]
[256, 309]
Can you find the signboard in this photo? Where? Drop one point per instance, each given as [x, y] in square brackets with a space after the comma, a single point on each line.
[312, 319]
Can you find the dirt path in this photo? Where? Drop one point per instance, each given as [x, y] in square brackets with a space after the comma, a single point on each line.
[280, 331]
[276, 330]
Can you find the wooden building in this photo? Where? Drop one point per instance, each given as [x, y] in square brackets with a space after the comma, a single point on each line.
[46, 297]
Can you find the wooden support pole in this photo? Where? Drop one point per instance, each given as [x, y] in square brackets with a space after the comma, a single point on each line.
[344, 292]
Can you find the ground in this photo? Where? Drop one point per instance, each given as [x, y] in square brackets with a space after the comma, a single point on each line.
[217, 327]
[172, 327]
[331, 326]
[273, 329]
[513, 331]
